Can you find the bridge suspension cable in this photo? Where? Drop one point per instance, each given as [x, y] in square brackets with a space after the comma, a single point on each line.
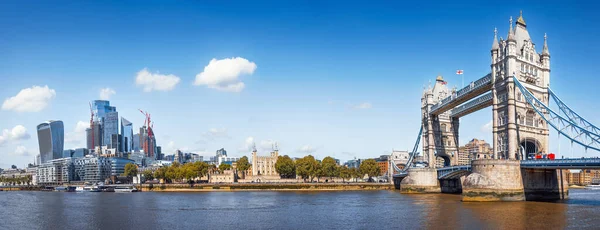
[411, 155]
[574, 131]
[572, 115]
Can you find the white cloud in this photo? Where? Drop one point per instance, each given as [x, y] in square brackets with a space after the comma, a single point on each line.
[488, 128]
[268, 145]
[21, 151]
[81, 126]
[248, 145]
[78, 135]
[364, 105]
[223, 74]
[32, 99]
[156, 81]
[106, 93]
[17, 133]
[215, 133]
[307, 149]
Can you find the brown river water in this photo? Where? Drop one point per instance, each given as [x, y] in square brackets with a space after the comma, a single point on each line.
[289, 210]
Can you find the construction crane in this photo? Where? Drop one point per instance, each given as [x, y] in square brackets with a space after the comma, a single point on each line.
[92, 125]
[149, 125]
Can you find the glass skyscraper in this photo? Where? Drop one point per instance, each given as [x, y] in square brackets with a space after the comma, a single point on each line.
[51, 139]
[109, 119]
[126, 135]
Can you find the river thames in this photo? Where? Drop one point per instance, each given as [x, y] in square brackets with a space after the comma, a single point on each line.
[289, 210]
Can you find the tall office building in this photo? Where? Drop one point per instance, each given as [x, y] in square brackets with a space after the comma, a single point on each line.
[97, 136]
[51, 139]
[108, 118]
[147, 144]
[126, 136]
[136, 143]
[101, 108]
[110, 127]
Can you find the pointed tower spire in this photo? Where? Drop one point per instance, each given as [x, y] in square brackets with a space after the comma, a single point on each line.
[545, 49]
[520, 20]
[511, 32]
[495, 45]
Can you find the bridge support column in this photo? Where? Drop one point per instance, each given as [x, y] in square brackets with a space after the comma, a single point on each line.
[545, 184]
[421, 180]
[494, 180]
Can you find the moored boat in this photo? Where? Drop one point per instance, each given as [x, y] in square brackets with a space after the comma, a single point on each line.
[125, 189]
[65, 189]
[593, 187]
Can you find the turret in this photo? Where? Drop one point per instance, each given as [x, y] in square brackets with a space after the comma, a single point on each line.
[495, 46]
[545, 52]
[511, 32]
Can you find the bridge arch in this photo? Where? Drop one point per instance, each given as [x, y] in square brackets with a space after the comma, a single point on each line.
[528, 146]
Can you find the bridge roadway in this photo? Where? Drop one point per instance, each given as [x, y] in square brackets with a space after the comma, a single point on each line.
[463, 95]
[454, 172]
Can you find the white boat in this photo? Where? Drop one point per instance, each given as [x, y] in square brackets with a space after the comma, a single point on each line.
[125, 189]
[87, 189]
[593, 187]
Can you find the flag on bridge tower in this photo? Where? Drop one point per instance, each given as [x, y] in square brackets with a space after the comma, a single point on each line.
[459, 72]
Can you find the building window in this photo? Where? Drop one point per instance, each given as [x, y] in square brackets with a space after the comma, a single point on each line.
[449, 143]
[526, 56]
[535, 72]
[522, 67]
[529, 118]
[443, 127]
[519, 96]
[531, 57]
[501, 118]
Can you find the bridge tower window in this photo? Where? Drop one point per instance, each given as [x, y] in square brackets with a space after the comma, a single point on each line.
[529, 118]
[531, 57]
[443, 127]
[522, 67]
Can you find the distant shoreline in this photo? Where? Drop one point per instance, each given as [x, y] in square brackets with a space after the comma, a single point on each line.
[267, 187]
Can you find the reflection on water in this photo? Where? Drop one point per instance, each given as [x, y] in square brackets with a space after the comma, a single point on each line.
[289, 210]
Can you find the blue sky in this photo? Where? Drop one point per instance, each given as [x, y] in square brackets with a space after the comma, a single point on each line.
[338, 78]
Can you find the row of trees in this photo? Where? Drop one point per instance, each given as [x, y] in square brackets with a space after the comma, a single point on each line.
[309, 168]
[22, 180]
[177, 172]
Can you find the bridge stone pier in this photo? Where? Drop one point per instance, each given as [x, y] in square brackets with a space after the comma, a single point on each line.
[421, 180]
[494, 180]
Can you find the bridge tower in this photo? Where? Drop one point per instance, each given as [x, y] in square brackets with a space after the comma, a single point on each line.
[440, 132]
[517, 129]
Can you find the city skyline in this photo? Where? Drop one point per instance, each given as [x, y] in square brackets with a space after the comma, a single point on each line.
[323, 86]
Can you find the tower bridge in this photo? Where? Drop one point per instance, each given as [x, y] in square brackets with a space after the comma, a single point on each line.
[518, 90]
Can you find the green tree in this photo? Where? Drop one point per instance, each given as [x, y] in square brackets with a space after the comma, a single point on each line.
[307, 167]
[285, 167]
[160, 173]
[243, 165]
[189, 171]
[345, 173]
[355, 174]
[201, 168]
[329, 167]
[172, 173]
[148, 174]
[223, 167]
[131, 170]
[370, 168]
